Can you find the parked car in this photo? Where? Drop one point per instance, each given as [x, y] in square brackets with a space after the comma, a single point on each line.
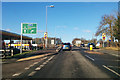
[98, 45]
[66, 46]
[82, 45]
[91, 44]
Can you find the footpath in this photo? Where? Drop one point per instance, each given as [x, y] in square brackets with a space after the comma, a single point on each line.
[106, 51]
[110, 52]
[30, 55]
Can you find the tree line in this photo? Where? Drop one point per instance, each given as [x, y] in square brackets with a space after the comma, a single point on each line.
[110, 25]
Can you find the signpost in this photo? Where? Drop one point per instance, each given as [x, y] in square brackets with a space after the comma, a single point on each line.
[28, 28]
[45, 37]
[103, 38]
[109, 39]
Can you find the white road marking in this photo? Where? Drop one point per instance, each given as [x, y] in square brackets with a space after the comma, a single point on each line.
[51, 58]
[17, 74]
[35, 63]
[114, 66]
[45, 63]
[32, 73]
[32, 65]
[27, 68]
[90, 58]
[41, 65]
[38, 68]
[111, 70]
[115, 55]
[44, 57]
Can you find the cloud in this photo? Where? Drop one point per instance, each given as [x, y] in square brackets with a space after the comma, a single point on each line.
[86, 31]
[8, 30]
[76, 28]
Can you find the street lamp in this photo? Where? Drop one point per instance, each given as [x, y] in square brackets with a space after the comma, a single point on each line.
[52, 6]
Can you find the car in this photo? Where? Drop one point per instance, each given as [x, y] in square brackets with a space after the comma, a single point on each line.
[82, 45]
[91, 44]
[98, 45]
[66, 46]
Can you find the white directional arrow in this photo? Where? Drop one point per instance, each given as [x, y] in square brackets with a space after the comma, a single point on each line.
[32, 31]
[24, 31]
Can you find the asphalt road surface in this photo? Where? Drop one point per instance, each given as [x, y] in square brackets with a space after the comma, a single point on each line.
[66, 64]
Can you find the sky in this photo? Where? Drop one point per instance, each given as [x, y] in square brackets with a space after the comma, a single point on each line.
[67, 20]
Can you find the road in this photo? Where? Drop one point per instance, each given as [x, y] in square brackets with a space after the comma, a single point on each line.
[66, 64]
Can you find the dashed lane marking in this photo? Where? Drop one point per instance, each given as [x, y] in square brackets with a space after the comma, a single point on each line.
[114, 66]
[38, 68]
[17, 74]
[41, 65]
[111, 70]
[44, 57]
[89, 57]
[45, 63]
[27, 68]
[32, 73]
[35, 63]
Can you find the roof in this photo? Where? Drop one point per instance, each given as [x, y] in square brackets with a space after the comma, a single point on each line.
[9, 35]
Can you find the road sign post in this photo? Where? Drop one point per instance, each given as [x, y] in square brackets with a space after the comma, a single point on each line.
[45, 38]
[28, 28]
[103, 38]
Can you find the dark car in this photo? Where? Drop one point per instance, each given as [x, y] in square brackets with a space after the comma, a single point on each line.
[91, 44]
[66, 46]
[82, 45]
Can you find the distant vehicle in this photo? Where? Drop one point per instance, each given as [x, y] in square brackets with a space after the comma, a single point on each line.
[82, 45]
[91, 44]
[98, 44]
[86, 45]
[66, 46]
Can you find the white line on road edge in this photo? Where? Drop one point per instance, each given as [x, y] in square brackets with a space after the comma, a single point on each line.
[90, 58]
[111, 70]
[32, 73]
[17, 74]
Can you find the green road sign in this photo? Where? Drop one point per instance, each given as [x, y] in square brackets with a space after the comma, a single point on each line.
[29, 28]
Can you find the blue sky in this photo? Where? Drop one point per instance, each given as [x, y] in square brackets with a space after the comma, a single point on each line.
[67, 20]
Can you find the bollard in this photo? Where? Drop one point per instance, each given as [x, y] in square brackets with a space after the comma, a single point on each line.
[11, 52]
[91, 46]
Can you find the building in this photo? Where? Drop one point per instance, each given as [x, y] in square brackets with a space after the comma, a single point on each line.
[51, 41]
[76, 42]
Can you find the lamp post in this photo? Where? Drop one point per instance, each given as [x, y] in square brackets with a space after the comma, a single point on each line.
[46, 23]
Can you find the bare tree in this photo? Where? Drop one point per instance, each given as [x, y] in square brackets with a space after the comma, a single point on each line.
[106, 26]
